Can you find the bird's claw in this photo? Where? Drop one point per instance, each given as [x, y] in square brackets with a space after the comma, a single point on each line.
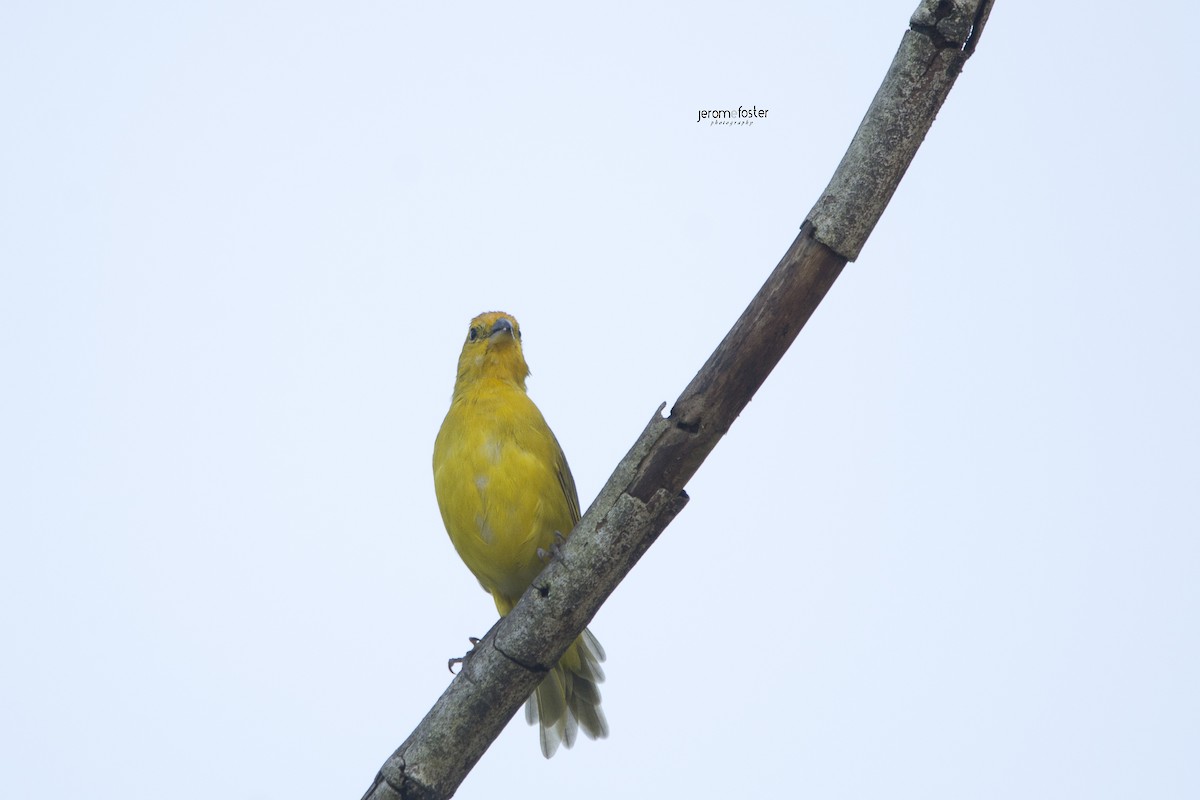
[555, 549]
[450, 664]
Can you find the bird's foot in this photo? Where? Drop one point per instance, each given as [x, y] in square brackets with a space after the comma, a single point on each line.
[555, 549]
[450, 664]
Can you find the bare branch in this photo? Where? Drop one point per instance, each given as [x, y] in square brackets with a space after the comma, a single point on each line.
[646, 491]
[942, 36]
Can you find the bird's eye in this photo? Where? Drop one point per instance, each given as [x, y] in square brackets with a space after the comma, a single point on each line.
[518, 334]
[472, 334]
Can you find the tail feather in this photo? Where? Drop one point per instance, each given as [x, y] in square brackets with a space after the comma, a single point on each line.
[568, 698]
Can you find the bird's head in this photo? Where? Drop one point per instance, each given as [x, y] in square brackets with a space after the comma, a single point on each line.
[493, 350]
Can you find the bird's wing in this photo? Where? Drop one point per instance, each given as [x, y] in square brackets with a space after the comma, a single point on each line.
[567, 482]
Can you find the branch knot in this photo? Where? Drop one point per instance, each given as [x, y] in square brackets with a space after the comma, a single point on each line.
[947, 23]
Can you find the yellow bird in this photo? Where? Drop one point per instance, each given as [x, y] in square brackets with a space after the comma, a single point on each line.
[505, 491]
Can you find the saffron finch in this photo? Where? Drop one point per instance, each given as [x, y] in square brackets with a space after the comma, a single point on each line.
[505, 492]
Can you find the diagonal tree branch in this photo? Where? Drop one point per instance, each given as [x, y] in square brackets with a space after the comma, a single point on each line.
[646, 491]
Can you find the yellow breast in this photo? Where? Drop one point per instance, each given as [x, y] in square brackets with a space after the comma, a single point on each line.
[503, 486]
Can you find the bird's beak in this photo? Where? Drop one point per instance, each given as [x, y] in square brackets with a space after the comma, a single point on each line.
[502, 326]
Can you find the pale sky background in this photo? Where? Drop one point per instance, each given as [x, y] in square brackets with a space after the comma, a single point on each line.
[950, 551]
